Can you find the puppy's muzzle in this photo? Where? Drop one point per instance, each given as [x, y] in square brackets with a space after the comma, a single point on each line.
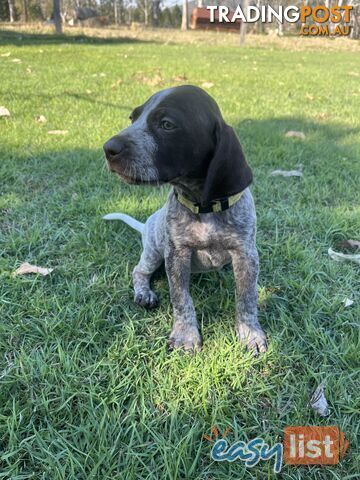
[114, 147]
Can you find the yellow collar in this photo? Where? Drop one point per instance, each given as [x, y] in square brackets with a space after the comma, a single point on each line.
[212, 206]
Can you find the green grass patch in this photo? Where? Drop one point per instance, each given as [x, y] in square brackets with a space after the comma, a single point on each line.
[87, 386]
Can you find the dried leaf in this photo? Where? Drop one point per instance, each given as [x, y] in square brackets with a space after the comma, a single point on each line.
[354, 74]
[4, 112]
[152, 81]
[40, 119]
[16, 60]
[286, 173]
[179, 78]
[7, 54]
[117, 83]
[321, 115]
[318, 401]
[309, 96]
[347, 302]
[343, 257]
[294, 134]
[352, 244]
[207, 84]
[58, 132]
[26, 268]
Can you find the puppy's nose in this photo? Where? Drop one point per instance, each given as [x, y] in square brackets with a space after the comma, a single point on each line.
[113, 147]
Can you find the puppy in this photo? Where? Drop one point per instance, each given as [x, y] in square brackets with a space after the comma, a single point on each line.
[178, 136]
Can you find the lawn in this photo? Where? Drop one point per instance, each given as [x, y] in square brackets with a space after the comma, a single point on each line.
[88, 388]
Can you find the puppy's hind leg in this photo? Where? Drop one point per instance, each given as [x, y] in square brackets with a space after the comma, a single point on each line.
[150, 261]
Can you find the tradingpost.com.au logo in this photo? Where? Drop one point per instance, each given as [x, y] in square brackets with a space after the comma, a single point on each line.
[324, 20]
[301, 446]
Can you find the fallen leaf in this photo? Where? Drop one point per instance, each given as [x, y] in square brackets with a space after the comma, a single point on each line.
[156, 80]
[343, 257]
[16, 60]
[179, 78]
[309, 96]
[102, 74]
[294, 134]
[318, 401]
[321, 115]
[58, 132]
[4, 112]
[152, 81]
[207, 84]
[26, 268]
[117, 83]
[354, 74]
[347, 302]
[286, 173]
[7, 54]
[352, 244]
[28, 70]
[40, 119]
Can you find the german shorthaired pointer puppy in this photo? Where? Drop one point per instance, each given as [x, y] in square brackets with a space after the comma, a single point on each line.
[178, 136]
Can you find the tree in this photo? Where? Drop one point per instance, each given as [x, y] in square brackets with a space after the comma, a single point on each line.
[185, 16]
[25, 10]
[57, 17]
[11, 10]
[116, 12]
[243, 24]
[155, 12]
[143, 7]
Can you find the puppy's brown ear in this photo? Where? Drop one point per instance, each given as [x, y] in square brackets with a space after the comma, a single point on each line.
[228, 172]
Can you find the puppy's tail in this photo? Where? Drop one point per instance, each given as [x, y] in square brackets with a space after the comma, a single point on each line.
[138, 226]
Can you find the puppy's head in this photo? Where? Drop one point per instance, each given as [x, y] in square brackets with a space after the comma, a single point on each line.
[180, 133]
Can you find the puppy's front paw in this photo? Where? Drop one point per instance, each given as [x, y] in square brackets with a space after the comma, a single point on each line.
[253, 337]
[146, 298]
[186, 337]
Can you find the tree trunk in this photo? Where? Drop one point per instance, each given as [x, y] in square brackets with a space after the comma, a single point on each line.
[146, 12]
[116, 17]
[57, 17]
[243, 24]
[25, 11]
[185, 19]
[156, 12]
[11, 10]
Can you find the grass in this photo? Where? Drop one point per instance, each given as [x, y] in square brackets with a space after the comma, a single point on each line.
[88, 388]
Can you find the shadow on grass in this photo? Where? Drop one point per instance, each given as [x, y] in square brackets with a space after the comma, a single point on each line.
[13, 37]
[84, 97]
[329, 158]
[321, 136]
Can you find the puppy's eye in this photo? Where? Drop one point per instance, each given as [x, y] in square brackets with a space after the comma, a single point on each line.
[131, 118]
[166, 125]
